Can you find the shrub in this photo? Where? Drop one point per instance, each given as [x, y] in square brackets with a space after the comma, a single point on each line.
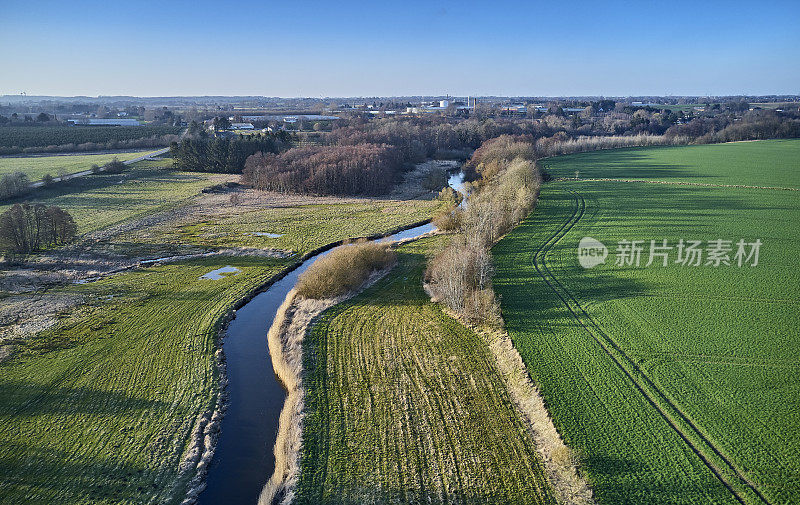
[47, 179]
[457, 273]
[114, 167]
[344, 269]
[12, 185]
[449, 219]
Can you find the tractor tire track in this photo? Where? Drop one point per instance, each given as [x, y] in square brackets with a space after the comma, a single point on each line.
[544, 271]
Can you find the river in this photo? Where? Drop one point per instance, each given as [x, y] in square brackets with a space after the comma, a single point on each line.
[244, 460]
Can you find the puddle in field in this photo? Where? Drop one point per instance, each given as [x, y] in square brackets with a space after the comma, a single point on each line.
[219, 273]
[266, 234]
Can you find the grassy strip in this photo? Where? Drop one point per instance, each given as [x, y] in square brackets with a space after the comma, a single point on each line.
[405, 404]
[35, 167]
[101, 200]
[301, 227]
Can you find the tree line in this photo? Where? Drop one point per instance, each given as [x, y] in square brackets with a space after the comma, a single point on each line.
[26, 228]
[504, 190]
[221, 154]
[363, 169]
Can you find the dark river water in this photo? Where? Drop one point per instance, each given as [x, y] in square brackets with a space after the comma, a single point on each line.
[244, 459]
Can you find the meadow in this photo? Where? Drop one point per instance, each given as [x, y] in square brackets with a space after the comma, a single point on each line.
[406, 405]
[302, 227]
[97, 201]
[16, 138]
[99, 408]
[35, 167]
[677, 384]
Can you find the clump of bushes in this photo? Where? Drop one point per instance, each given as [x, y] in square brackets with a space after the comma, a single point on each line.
[114, 167]
[461, 278]
[364, 169]
[15, 184]
[344, 269]
[26, 228]
[450, 216]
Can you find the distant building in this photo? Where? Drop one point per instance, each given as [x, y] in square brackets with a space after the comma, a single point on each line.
[241, 126]
[514, 109]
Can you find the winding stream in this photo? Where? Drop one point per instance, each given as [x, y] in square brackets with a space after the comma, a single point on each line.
[244, 459]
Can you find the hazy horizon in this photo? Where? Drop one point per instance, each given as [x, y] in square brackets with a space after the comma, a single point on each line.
[316, 49]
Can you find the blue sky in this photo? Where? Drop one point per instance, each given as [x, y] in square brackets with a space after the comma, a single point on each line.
[346, 48]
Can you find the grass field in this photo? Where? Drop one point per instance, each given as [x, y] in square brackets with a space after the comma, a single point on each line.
[37, 166]
[100, 200]
[405, 405]
[304, 227]
[98, 409]
[763, 163]
[678, 384]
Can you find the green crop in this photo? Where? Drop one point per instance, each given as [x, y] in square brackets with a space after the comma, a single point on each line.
[406, 405]
[677, 384]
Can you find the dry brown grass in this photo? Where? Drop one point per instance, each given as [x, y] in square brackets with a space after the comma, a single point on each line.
[448, 219]
[344, 269]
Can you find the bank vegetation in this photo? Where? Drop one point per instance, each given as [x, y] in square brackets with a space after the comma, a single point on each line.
[344, 269]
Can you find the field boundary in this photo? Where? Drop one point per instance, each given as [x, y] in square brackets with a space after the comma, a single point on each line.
[607, 344]
[675, 183]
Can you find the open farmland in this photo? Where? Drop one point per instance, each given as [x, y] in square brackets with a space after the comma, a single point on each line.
[772, 163]
[16, 138]
[678, 384]
[100, 200]
[35, 167]
[406, 405]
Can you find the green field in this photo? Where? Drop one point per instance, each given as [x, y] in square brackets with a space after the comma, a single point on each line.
[678, 384]
[98, 409]
[100, 200]
[764, 163]
[302, 227]
[35, 167]
[406, 405]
